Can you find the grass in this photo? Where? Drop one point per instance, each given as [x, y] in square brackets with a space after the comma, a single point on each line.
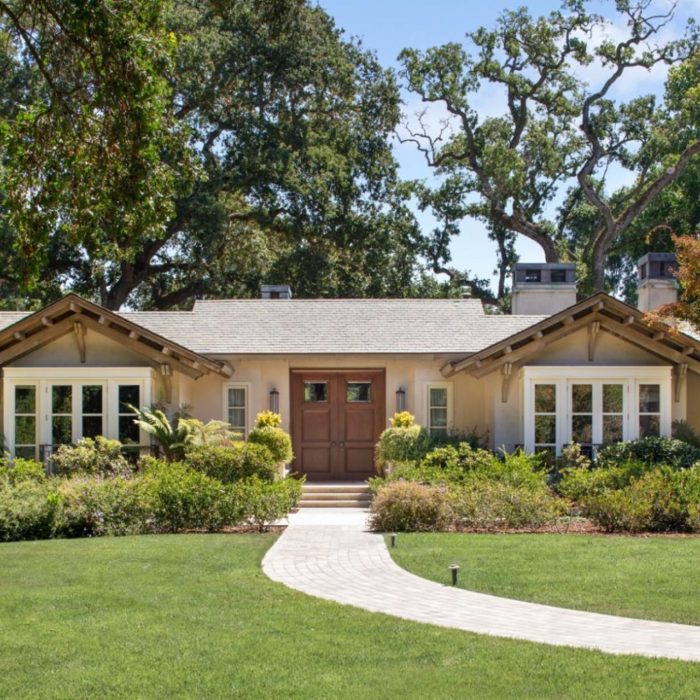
[193, 616]
[650, 577]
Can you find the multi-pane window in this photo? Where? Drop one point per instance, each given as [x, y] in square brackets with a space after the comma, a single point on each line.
[613, 413]
[582, 416]
[649, 410]
[92, 410]
[25, 421]
[128, 431]
[545, 418]
[238, 409]
[438, 410]
[61, 414]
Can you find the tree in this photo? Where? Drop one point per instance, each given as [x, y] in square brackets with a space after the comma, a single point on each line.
[270, 159]
[508, 170]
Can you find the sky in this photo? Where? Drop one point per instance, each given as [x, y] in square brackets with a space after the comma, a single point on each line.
[388, 26]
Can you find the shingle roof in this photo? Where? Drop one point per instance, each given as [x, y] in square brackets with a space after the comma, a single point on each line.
[317, 326]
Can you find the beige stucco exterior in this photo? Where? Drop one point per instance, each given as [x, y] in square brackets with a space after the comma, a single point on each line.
[477, 404]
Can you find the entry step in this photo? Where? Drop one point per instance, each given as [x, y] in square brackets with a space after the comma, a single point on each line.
[335, 495]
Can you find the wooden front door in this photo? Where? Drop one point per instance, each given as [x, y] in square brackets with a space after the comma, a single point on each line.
[337, 417]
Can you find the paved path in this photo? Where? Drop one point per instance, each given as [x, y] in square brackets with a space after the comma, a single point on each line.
[329, 554]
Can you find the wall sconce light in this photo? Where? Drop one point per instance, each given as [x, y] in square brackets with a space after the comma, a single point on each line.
[275, 401]
[400, 399]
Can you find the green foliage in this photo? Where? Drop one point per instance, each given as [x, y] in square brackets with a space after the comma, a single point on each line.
[683, 431]
[90, 456]
[651, 450]
[404, 419]
[495, 505]
[265, 502]
[232, 463]
[277, 441]
[94, 507]
[215, 432]
[268, 419]
[27, 510]
[172, 437]
[409, 506]
[401, 444]
[21, 470]
[580, 483]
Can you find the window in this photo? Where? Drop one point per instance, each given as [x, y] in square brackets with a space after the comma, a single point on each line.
[315, 392]
[439, 409]
[594, 406]
[358, 392]
[533, 275]
[545, 418]
[61, 414]
[649, 410]
[92, 410]
[643, 271]
[558, 275]
[25, 421]
[237, 407]
[128, 432]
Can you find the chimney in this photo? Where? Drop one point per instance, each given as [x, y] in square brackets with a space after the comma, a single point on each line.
[543, 289]
[275, 291]
[657, 283]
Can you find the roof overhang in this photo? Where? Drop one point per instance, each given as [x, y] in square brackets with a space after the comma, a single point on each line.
[599, 313]
[73, 314]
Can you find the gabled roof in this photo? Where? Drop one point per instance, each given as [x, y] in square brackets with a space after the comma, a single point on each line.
[333, 326]
[600, 312]
[24, 333]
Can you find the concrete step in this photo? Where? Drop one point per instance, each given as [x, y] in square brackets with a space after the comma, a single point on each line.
[353, 503]
[330, 497]
[335, 488]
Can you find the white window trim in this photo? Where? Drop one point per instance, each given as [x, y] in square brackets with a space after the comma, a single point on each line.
[246, 386]
[450, 403]
[563, 376]
[43, 377]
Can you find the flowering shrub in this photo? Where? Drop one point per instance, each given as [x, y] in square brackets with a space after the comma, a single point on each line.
[90, 456]
[268, 419]
[404, 419]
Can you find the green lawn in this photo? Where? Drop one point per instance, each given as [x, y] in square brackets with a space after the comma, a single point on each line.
[193, 616]
[647, 577]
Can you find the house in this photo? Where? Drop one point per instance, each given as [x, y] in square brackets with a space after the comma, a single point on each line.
[555, 371]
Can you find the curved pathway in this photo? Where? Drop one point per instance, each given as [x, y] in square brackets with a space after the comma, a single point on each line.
[328, 553]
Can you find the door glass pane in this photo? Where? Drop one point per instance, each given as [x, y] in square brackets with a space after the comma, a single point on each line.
[359, 392]
[649, 398]
[582, 398]
[545, 398]
[25, 399]
[612, 398]
[61, 430]
[128, 430]
[129, 394]
[438, 396]
[545, 429]
[612, 429]
[649, 426]
[92, 426]
[92, 399]
[25, 430]
[582, 429]
[62, 398]
[315, 391]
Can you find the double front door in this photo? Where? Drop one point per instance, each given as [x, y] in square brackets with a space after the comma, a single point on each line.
[337, 417]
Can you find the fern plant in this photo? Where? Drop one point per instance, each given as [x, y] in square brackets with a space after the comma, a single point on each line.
[172, 438]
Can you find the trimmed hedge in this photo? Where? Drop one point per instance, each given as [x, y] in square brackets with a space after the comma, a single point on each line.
[234, 462]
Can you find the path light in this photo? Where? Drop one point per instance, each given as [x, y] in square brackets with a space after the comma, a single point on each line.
[454, 568]
[400, 399]
[392, 537]
[275, 401]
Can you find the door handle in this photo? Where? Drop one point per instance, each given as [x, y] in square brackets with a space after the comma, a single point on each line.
[342, 444]
[333, 444]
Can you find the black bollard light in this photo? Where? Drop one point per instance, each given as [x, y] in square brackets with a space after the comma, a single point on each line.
[392, 537]
[454, 568]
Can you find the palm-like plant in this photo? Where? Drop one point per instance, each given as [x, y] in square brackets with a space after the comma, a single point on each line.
[215, 432]
[172, 438]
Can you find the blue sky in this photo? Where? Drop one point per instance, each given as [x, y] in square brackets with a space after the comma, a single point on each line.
[387, 26]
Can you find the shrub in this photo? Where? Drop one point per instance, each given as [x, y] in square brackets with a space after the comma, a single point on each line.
[650, 450]
[407, 506]
[21, 470]
[404, 419]
[579, 484]
[99, 456]
[28, 511]
[660, 500]
[96, 506]
[683, 431]
[231, 463]
[185, 499]
[263, 502]
[268, 419]
[275, 439]
[490, 505]
[401, 445]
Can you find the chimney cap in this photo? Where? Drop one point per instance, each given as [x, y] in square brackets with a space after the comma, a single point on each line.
[275, 291]
[658, 266]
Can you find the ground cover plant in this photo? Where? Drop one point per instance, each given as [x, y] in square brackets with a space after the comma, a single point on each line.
[645, 577]
[194, 616]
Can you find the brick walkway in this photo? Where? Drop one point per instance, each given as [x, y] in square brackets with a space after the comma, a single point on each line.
[327, 553]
